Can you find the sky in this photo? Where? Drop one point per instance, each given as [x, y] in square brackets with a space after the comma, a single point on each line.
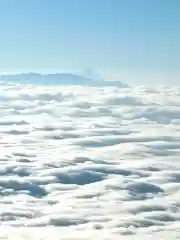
[131, 41]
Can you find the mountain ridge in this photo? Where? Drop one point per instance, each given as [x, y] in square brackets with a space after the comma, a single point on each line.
[57, 78]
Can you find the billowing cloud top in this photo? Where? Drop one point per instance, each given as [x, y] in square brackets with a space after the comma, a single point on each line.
[89, 162]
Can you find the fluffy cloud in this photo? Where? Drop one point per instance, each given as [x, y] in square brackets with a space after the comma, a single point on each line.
[91, 162]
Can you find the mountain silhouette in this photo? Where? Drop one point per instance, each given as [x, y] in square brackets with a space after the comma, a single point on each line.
[57, 78]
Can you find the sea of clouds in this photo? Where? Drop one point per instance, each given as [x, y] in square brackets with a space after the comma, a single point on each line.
[89, 162]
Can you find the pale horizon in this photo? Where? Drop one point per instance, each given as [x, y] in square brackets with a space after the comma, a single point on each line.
[130, 41]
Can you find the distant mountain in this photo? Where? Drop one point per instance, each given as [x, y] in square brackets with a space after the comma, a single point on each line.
[56, 78]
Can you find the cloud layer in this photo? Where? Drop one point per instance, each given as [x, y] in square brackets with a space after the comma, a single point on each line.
[89, 162]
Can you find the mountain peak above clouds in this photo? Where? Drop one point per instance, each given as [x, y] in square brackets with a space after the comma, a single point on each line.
[58, 78]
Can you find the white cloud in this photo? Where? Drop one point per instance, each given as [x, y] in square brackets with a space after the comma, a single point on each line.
[93, 162]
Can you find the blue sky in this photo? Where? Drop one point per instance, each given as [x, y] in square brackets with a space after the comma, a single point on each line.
[135, 41]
